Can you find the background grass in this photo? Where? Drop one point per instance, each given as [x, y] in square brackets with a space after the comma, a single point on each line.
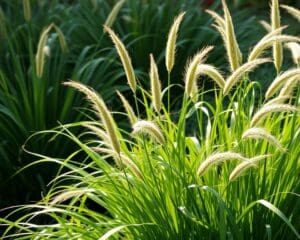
[29, 104]
[156, 193]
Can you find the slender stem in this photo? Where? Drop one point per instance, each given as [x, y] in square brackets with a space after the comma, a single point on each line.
[169, 93]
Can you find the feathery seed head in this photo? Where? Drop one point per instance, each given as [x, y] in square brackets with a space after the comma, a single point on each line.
[68, 194]
[242, 167]
[295, 50]
[292, 74]
[218, 19]
[275, 24]
[121, 160]
[144, 126]
[130, 113]
[155, 85]
[40, 55]
[261, 133]
[293, 11]
[288, 88]
[279, 99]
[232, 48]
[267, 109]
[267, 41]
[212, 72]
[61, 38]
[113, 14]
[238, 73]
[216, 158]
[124, 56]
[191, 70]
[266, 25]
[171, 43]
[102, 111]
[99, 133]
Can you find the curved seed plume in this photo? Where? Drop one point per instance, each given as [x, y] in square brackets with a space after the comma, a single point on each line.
[171, 43]
[292, 74]
[130, 113]
[232, 48]
[220, 23]
[260, 47]
[155, 85]
[267, 109]
[68, 194]
[125, 59]
[40, 55]
[288, 88]
[102, 112]
[295, 50]
[291, 10]
[277, 46]
[218, 19]
[99, 133]
[261, 133]
[113, 14]
[191, 70]
[216, 158]
[268, 40]
[61, 38]
[144, 126]
[266, 25]
[242, 167]
[121, 160]
[241, 71]
[212, 72]
[279, 99]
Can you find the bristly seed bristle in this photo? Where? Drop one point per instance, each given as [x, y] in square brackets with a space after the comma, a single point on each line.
[102, 112]
[261, 133]
[268, 109]
[171, 42]
[242, 167]
[155, 85]
[125, 59]
[150, 128]
[216, 158]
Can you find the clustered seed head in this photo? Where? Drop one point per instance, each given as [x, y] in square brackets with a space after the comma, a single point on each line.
[261, 133]
[216, 158]
[242, 167]
[171, 43]
[155, 85]
[113, 14]
[130, 113]
[241, 71]
[125, 59]
[262, 113]
[191, 70]
[293, 11]
[102, 111]
[150, 128]
[292, 75]
[232, 47]
[295, 50]
[212, 72]
[275, 24]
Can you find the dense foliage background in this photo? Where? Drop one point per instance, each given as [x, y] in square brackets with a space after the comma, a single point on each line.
[80, 50]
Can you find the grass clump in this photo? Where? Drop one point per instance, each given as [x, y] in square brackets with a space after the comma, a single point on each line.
[167, 179]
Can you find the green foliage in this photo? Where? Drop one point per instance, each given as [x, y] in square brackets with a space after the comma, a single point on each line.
[225, 166]
[30, 103]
